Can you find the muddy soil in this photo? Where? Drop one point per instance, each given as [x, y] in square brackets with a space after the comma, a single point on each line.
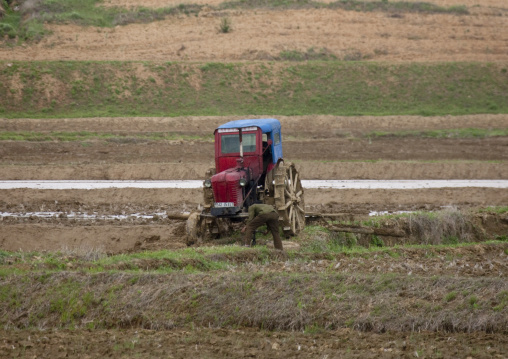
[243, 343]
[334, 148]
[116, 236]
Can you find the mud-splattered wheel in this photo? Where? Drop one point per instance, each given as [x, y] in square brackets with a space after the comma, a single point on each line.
[200, 229]
[289, 200]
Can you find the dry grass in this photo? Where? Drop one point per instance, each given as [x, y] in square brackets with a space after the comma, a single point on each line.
[444, 227]
[270, 301]
[84, 253]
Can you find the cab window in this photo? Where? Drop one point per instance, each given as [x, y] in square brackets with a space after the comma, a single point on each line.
[231, 143]
[276, 138]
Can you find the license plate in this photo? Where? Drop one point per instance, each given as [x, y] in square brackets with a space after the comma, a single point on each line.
[224, 204]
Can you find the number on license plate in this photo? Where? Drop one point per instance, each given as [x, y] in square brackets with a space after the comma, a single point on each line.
[224, 204]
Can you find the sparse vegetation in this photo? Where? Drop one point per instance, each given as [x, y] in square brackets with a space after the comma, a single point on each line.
[225, 25]
[447, 227]
[499, 210]
[349, 5]
[322, 54]
[222, 286]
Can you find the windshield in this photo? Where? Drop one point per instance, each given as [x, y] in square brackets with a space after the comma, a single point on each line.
[231, 143]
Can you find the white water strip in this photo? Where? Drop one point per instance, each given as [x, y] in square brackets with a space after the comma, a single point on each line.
[185, 184]
[83, 216]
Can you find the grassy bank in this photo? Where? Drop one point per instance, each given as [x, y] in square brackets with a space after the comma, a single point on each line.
[89, 89]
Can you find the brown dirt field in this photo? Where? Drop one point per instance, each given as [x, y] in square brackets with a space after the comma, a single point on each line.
[243, 343]
[324, 126]
[107, 238]
[262, 34]
[333, 149]
[310, 170]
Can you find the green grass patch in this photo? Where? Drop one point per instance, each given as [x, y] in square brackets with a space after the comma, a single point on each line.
[349, 5]
[494, 209]
[97, 89]
[80, 12]
[216, 259]
[322, 54]
[17, 30]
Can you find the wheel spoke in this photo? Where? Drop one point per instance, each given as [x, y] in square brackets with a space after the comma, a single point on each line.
[296, 182]
[299, 194]
[298, 220]
[290, 211]
[287, 193]
[293, 221]
[300, 209]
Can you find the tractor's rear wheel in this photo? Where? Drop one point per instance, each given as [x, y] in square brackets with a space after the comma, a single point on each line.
[289, 198]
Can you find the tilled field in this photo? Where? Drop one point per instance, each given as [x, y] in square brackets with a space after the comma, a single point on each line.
[334, 148]
[409, 301]
[399, 317]
[243, 343]
[120, 281]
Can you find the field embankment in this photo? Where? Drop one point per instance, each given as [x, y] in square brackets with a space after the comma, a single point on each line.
[89, 89]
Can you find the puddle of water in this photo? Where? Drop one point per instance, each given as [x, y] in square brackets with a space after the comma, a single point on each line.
[384, 213]
[83, 216]
[187, 184]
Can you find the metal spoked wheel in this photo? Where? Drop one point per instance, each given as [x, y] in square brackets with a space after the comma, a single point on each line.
[289, 199]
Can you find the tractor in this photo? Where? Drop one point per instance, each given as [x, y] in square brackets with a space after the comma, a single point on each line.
[249, 168]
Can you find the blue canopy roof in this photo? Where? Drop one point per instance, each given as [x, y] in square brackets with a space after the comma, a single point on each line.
[266, 124]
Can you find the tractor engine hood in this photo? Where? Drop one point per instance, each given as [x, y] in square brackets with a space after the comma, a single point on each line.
[228, 191]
